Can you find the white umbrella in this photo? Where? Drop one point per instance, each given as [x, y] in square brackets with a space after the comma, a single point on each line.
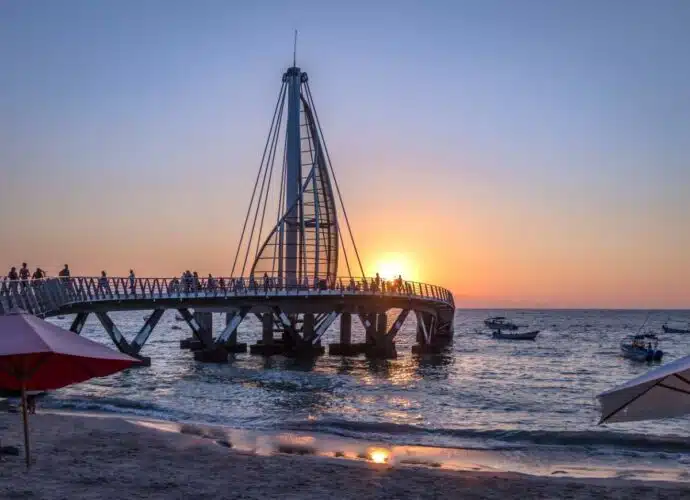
[660, 393]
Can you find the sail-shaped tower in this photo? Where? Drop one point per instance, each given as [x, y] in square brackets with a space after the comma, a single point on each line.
[302, 245]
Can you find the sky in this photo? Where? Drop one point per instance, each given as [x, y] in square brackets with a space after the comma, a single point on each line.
[521, 154]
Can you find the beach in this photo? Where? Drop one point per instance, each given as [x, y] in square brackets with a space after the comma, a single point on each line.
[111, 457]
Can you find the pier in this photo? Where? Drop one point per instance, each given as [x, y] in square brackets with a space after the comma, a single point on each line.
[298, 271]
[294, 318]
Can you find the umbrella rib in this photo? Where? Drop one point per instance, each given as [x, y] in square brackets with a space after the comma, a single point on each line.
[604, 419]
[682, 391]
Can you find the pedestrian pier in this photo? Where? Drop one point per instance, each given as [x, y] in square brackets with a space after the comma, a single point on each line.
[297, 267]
[294, 319]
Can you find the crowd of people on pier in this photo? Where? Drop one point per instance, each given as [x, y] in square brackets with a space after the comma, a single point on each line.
[18, 281]
[191, 282]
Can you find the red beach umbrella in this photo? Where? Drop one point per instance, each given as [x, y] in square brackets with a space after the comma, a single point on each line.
[37, 356]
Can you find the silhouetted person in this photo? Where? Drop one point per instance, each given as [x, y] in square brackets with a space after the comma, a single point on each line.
[65, 272]
[265, 282]
[132, 282]
[24, 272]
[103, 284]
[378, 282]
[221, 284]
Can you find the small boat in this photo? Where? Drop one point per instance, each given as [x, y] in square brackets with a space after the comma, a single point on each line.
[500, 323]
[643, 347]
[176, 327]
[178, 318]
[60, 317]
[146, 318]
[498, 334]
[670, 329]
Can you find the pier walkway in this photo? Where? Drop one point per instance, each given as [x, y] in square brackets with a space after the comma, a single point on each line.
[276, 304]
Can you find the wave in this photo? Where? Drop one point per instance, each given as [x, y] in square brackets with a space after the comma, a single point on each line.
[495, 436]
[403, 434]
[108, 405]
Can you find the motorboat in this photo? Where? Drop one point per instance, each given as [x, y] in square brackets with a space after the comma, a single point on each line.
[500, 323]
[671, 329]
[498, 334]
[642, 347]
[178, 317]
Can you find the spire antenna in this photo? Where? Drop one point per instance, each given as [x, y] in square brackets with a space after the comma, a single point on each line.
[294, 51]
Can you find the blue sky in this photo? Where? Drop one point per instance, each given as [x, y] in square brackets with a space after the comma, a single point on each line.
[523, 132]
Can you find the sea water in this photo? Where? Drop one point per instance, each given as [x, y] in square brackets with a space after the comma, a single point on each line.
[531, 404]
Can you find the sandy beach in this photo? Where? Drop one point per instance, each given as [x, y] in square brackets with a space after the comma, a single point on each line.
[88, 457]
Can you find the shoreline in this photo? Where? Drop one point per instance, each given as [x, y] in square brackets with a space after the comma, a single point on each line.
[97, 456]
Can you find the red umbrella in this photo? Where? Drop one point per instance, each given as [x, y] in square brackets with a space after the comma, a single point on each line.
[38, 356]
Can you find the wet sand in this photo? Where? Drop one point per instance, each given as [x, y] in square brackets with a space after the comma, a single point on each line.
[86, 457]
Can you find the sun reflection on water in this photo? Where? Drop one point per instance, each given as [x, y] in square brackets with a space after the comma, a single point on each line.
[379, 455]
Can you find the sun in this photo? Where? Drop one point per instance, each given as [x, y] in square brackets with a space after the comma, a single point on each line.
[393, 264]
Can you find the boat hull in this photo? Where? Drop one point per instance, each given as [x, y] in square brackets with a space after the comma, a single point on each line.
[668, 329]
[497, 325]
[637, 354]
[516, 336]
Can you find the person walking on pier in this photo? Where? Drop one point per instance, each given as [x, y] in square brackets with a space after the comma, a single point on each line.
[266, 283]
[24, 274]
[36, 278]
[14, 278]
[12, 275]
[103, 284]
[132, 283]
[65, 272]
[378, 282]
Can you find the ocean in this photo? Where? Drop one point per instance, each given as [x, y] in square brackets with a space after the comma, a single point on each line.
[523, 406]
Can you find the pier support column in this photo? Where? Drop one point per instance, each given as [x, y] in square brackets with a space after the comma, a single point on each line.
[205, 321]
[427, 340]
[378, 344]
[308, 327]
[226, 342]
[369, 322]
[267, 328]
[346, 328]
[381, 323]
[78, 323]
[267, 346]
[345, 347]
[119, 340]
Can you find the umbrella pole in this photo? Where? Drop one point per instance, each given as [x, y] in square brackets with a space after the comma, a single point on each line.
[26, 428]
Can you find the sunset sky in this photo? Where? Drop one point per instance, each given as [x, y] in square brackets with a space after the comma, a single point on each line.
[521, 153]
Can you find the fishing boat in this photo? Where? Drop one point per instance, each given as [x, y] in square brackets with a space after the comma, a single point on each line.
[500, 323]
[671, 329]
[498, 334]
[176, 327]
[643, 347]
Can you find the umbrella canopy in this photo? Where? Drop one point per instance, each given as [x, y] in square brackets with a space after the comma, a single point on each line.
[660, 393]
[36, 355]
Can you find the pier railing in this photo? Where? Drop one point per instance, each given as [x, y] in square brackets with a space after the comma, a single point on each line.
[47, 295]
